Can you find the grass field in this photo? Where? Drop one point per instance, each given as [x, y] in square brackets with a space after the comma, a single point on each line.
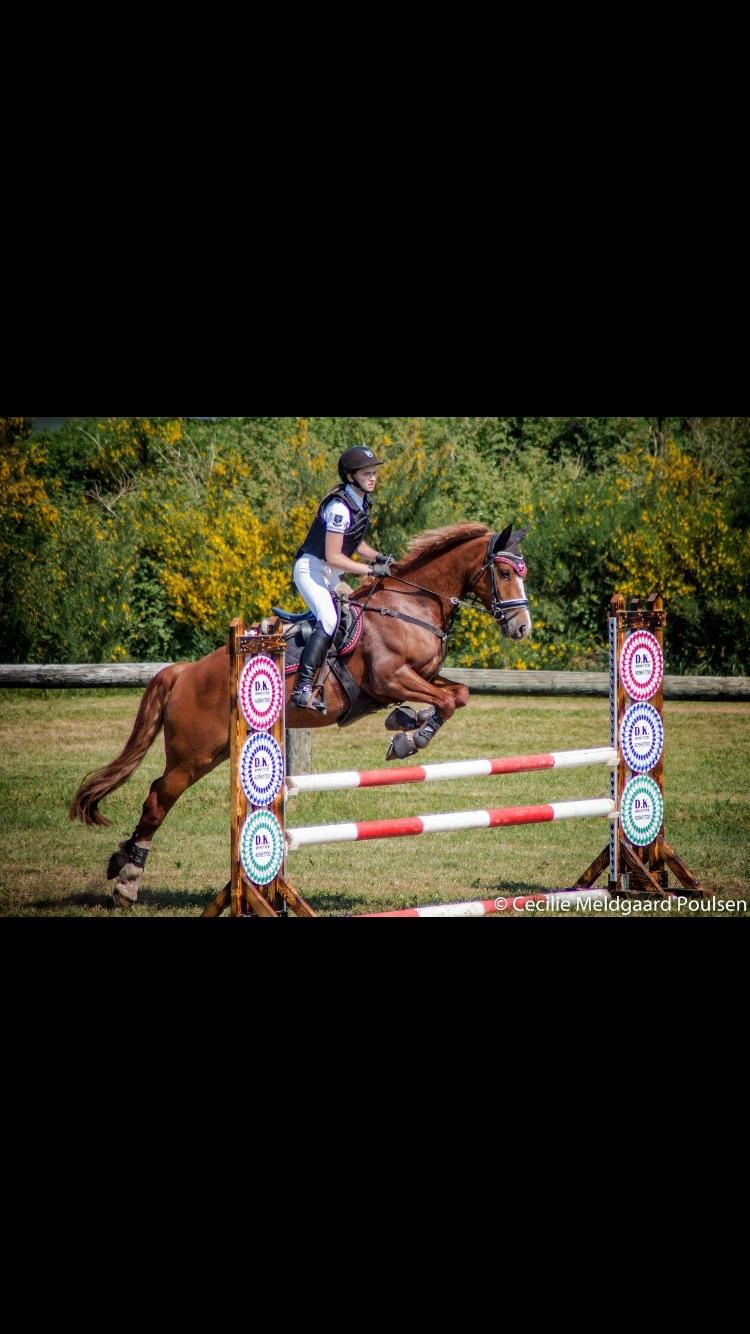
[50, 867]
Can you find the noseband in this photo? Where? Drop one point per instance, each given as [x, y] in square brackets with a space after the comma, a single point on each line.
[503, 609]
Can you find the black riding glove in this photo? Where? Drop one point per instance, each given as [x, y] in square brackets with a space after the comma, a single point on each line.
[382, 566]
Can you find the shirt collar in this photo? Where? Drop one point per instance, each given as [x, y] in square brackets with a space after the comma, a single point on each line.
[355, 497]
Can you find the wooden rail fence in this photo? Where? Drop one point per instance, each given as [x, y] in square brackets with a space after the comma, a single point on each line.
[119, 675]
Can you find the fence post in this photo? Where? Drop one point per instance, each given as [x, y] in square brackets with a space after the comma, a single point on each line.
[299, 757]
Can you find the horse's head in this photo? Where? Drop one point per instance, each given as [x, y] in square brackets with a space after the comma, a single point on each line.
[500, 583]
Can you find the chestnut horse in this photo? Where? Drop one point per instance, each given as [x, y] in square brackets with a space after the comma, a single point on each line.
[406, 625]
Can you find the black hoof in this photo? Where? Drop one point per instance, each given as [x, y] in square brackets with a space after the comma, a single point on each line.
[402, 747]
[402, 719]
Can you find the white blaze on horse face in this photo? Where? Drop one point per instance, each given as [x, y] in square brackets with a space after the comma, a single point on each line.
[513, 589]
[525, 621]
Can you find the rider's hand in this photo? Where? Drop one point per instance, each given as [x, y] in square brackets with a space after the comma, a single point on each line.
[382, 565]
[381, 568]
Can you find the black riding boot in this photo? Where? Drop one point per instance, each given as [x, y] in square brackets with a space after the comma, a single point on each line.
[315, 654]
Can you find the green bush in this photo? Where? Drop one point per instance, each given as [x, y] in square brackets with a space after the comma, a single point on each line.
[139, 538]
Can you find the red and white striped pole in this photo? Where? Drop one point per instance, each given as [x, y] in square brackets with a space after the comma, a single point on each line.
[578, 900]
[436, 773]
[317, 835]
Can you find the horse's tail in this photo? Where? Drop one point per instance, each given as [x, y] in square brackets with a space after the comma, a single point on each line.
[148, 724]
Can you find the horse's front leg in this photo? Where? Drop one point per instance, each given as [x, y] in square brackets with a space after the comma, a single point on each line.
[443, 696]
[461, 694]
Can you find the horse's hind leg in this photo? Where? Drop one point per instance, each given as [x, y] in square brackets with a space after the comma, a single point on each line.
[128, 864]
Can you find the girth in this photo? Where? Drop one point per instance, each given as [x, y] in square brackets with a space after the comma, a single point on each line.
[401, 616]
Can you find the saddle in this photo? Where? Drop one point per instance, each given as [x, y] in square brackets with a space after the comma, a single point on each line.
[299, 627]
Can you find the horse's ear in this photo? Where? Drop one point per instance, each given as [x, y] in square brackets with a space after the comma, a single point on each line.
[501, 543]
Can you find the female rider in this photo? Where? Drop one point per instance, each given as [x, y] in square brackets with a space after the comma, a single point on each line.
[341, 525]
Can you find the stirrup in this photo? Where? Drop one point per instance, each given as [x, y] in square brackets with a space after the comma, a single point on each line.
[306, 697]
[301, 696]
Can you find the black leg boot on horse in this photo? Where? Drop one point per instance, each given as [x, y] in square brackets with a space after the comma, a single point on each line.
[403, 747]
[126, 866]
[313, 658]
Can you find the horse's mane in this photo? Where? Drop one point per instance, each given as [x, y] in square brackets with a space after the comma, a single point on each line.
[437, 542]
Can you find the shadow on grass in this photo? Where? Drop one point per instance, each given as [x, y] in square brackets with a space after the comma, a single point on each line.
[325, 903]
[164, 900]
[89, 899]
[355, 905]
[507, 889]
[329, 902]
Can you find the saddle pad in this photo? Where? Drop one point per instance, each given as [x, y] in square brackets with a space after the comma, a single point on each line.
[295, 644]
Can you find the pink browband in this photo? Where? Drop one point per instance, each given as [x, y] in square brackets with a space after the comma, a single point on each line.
[516, 563]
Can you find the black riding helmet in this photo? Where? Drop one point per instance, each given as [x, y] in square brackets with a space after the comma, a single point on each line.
[355, 459]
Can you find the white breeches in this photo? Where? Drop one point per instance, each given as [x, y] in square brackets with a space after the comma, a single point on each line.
[316, 581]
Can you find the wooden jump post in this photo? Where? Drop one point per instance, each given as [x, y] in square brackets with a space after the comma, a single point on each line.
[261, 839]
[633, 869]
[245, 898]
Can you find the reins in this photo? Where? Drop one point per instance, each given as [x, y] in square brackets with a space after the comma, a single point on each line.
[499, 610]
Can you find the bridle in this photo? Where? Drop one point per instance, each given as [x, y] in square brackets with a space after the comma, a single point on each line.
[502, 610]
